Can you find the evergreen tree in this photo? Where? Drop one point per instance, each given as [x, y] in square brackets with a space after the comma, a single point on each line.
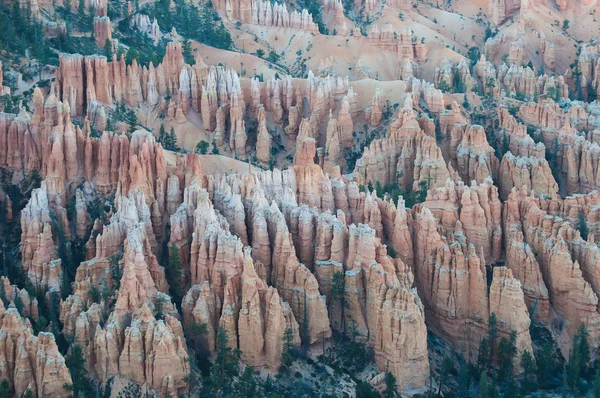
[247, 385]
[5, 389]
[202, 147]
[365, 389]
[463, 378]
[484, 386]
[288, 347]
[546, 368]
[173, 140]
[226, 364]
[379, 190]
[76, 364]
[579, 359]
[582, 226]
[483, 358]
[505, 144]
[391, 386]
[196, 331]
[3, 295]
[492, 334]
[19, 304]
[596, 384]
[511, 390]
[162, 135]
[187, 52]
[108, 50]
[338, 294]
[174, 273]
[215, 149]
[445, 370]
[528, 383]
[131, 55]
[506, 352]
[81, 8]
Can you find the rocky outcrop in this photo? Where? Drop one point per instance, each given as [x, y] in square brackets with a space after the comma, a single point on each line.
[40, 260]
[102, 30]
[31, 362]
[451, 280]
[402, 43]
[263, 320]
[407, 156]
[263, 139]
[507, 303]
[558, 249]
[266, 14]
[472, 155]
[470, 212]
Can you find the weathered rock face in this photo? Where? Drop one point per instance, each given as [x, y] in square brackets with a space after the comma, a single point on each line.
[473, 156]
[263, 252]
[40, 259]
[530, 172]
[500, 9]
[102, 30]
[406, 156]
[31, 362]
[507, 303]
[559, 250]
[472, 213]
[153, 352]
[263, 140]
[402, 43]
[12, 293]
[263, 320]
[266, 14]
[452, 282]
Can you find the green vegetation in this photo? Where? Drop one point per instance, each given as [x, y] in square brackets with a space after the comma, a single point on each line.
[168, 140]
[174, 274]
[202, 147]
[20, 34]
[316, 9]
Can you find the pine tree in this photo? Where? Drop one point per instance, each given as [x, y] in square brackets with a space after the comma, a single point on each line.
[108, 50]
[463, 378]
[484, 386]
[5, 389]
[528, 383]
[505, 144]
[174, 273]
[338, 294]
[81, 8]
[391, 386]
[492, 334]
[247, 385]
[582, 226]
[196, 332]
[162, 135]
[187, 52]
[506, 352]
[288, 347]
[202, 147]
[596, 384]
[226, 364]
[546, 365]
[76, 364]
[172, 140]
[19, 304]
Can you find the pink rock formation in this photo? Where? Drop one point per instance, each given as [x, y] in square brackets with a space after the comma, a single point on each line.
[31, 362]
[102, 30]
